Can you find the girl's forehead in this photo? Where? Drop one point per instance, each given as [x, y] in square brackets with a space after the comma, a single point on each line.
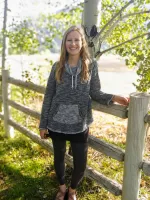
[74, 34]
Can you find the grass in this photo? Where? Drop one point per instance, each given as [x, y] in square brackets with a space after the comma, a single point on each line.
[27, 171]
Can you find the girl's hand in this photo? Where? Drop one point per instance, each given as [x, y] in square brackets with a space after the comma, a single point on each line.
[43, 133]
[121, 100]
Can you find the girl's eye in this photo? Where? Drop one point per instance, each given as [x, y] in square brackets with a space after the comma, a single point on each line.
[76, 40]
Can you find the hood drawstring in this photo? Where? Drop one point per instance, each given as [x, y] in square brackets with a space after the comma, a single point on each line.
[71, 75]
[76, 81]
[69, 70]
[72, 81]
[73, 78]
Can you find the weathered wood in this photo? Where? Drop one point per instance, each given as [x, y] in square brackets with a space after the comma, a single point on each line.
[34, 137]
[136, 133]
[115, 109]
[105, 182]
[111, 185]
[27, 85]
[24, 109]
[97, 144]
[145, 166]
[134, 147]
[5, 74]
[106, 148]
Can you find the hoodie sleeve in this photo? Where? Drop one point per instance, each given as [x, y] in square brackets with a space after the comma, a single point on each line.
[95, 88]
[48, 96]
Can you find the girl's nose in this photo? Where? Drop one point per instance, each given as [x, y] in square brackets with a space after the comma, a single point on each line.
[73, 42]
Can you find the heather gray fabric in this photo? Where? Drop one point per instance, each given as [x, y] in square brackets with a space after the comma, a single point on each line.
[74, 73]
[67, 105]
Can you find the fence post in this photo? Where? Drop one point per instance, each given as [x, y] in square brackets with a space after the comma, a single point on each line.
[5, 75]
[136, 133]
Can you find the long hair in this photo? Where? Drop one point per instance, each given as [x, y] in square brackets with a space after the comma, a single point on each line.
[84, 54]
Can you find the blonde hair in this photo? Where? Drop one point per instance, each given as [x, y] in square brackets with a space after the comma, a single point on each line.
[84, 54]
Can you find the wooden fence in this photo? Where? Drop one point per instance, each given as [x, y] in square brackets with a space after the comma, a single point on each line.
[138, 123]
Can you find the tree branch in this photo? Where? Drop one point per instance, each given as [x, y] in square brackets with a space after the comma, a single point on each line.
[136, 13]
[98, 54]
[113, 18]
[108, 32]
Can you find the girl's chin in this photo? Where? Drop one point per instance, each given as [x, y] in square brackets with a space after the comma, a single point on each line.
[74, 53]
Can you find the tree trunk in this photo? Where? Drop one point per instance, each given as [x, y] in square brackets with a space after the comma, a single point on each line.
[91, 18]
[4, 35]
[3, 44]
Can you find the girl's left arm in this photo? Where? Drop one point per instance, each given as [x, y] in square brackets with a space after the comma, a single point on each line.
[121, 100]
[99, 96]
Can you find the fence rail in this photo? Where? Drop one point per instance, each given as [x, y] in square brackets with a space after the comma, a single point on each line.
[116, 110]
[24, 109]
[97, 144]
[111, 185]
[27, 85]
[132, 157]
[145, 166]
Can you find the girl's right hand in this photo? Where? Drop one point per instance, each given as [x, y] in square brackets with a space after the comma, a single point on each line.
[43, 133]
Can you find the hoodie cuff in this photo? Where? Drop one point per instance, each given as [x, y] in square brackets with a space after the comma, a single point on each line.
[110, 102]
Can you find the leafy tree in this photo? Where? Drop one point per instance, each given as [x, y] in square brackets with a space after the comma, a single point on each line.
[23, 39]
[124, 29]
[50, 27]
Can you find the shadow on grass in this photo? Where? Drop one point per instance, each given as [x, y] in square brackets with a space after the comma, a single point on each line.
[14, 185]
[20, 187]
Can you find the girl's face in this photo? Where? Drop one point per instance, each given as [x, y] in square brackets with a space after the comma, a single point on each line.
[73, 43]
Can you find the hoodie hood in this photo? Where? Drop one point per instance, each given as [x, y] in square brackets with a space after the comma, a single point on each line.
[74, 76]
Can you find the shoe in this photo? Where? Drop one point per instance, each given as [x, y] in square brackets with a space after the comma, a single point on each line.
[60, 195]
[72, 196]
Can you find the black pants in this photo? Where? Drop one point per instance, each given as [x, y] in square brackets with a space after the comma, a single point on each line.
[79, 153]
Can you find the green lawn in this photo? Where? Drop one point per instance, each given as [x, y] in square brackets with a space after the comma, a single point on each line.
[27, 171]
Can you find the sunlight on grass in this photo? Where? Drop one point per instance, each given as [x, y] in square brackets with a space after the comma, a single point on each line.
[27, 171]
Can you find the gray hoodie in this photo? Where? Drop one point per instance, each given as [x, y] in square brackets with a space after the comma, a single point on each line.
[67, 105]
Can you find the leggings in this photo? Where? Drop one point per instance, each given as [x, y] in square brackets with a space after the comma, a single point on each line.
[79, 153]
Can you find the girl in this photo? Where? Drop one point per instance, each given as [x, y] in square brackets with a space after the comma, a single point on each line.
[66, 111]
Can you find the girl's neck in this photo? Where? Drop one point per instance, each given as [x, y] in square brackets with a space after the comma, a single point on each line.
[73, 61]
